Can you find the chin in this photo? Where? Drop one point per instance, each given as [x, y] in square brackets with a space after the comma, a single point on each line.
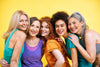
[23, 29]
[42, 35]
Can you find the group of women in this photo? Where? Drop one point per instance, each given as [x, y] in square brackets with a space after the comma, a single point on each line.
[59, 38]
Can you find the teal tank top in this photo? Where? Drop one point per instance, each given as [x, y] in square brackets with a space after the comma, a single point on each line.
[9, 51]
[81, 60]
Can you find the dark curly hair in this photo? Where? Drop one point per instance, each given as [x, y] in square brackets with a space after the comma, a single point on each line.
[59, 16]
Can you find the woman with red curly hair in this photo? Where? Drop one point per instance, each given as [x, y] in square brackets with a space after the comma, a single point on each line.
[54, 52]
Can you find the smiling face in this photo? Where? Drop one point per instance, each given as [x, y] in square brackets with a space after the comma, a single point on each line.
[23, 23]
[34, 28]
[74, 25]
[45, 29]
[60, 27]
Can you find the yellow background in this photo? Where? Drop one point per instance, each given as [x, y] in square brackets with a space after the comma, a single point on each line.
[90, 9]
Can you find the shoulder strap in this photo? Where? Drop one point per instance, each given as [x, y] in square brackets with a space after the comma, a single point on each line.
[7, 41]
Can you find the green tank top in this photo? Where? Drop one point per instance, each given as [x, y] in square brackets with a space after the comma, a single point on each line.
[9, 51]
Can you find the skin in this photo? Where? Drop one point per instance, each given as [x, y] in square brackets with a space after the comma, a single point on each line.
[45, 29]
[75, 26]
[17, 43]
[56, 53]
[61, 26]
[32, 40]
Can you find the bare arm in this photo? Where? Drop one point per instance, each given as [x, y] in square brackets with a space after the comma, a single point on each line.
[74, 57]
[20, 38]
[90, 53]
[60, 59]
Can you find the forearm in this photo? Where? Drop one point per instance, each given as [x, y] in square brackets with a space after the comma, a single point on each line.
[74, 64]
[59, 63]
[85, 54]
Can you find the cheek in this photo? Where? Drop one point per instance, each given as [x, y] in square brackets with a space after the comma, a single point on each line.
[29, 29]
[56, 29]
[48, 31]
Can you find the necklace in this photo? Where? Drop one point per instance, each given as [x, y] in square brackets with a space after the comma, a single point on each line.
[32, 42]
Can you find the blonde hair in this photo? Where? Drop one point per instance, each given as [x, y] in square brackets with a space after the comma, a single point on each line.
[14, 23]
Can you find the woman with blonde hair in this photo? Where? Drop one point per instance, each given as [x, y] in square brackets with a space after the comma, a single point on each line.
[14, 39]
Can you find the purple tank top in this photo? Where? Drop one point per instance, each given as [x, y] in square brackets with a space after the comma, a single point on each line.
[31, 56]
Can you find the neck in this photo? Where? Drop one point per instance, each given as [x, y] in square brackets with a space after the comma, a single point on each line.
[32, 37]
[46, 37]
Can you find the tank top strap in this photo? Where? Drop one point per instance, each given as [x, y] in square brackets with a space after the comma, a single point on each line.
[40, 42]
[8, 40]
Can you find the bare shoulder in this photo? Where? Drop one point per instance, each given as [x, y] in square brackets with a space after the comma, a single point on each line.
[91, 34]
[20, 34]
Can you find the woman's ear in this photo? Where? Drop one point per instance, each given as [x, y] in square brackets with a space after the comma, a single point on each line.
[82, 23]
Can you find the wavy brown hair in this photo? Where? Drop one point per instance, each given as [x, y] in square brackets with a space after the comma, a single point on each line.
[47, 20]
[51, 34]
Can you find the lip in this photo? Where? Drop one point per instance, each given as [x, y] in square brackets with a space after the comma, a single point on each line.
[60, 32]
[43, 32]
[33, 32]
[24, 26]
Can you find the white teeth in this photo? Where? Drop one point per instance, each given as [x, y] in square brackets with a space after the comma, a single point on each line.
[24, 26]
[43, 32]
[60, 32]
[73, 29]
[33, 32]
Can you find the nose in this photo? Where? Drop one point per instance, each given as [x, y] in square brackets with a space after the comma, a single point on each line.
[26, 22]
[71, 25]
[59, 27]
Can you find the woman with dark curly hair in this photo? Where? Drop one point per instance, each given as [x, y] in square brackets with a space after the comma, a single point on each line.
[54, 53]
[60, 24]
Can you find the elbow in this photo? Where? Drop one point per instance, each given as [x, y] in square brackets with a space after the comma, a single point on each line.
[92, 60]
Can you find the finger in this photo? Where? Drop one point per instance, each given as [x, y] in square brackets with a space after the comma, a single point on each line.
[5, 61]
[70, 39]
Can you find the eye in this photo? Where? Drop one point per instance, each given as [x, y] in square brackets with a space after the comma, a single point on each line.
[21, 21]
[62, 25]
[56, 26]
[32, 25]
[26, 20]
[37, 27]
[46, 27]
[69, 24]
[74, 22]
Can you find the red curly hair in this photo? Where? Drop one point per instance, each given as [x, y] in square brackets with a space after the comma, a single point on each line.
[47, 20]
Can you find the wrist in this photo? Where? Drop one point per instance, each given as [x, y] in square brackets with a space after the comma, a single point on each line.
[77, 44]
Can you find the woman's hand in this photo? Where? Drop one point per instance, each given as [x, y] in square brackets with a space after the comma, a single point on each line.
[4, 63]
[74, 39]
